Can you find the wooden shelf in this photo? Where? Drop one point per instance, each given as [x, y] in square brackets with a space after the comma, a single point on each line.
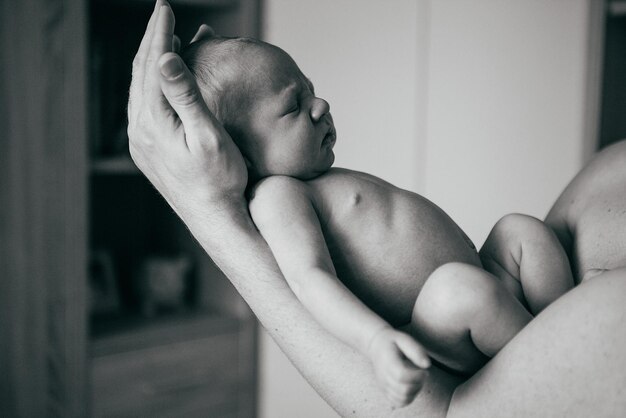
[114, 165]
[123, 333]
[617, 8]
[195, 365]
[196, 362]
[201, 3]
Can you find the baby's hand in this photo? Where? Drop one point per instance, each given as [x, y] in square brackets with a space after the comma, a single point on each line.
[399, 363]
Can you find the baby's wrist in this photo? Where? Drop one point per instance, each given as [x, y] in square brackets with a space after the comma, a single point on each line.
[374, 338]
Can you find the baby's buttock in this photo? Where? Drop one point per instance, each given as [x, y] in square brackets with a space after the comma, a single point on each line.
[385, 241]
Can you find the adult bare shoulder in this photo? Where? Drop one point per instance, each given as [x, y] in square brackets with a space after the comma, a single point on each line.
[607, 168]
[590, 215]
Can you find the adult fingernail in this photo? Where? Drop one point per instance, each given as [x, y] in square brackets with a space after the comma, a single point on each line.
[172, 68]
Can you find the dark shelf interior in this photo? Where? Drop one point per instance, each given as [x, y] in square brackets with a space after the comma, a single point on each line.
[612, 120]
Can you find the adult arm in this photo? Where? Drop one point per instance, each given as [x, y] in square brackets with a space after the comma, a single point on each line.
[202, 175]
[568, 362]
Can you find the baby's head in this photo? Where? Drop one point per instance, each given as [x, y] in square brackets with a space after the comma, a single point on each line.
[266, 104]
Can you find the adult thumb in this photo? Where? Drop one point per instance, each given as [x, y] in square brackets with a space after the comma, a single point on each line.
[183, 94]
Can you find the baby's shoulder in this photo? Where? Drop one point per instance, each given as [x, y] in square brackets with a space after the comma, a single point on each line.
[277, 188]
[269, 196]
[276, 185]
[345, 179]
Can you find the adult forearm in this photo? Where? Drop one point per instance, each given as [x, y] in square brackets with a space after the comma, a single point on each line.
[337, 308]
[338, 373]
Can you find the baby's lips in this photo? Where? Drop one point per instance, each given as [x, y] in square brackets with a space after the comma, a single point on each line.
[330, 138]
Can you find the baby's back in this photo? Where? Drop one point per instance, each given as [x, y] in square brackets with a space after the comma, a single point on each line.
[385, 241]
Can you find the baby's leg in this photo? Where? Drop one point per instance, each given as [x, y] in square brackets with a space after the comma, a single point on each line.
[527, 256]
[464, 316]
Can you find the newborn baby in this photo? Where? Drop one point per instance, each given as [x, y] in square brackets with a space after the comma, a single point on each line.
[366, 258]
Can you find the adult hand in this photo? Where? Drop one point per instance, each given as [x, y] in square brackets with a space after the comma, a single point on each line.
[173, 137]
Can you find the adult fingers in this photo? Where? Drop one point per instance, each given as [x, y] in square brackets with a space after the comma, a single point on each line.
[161, 43]
[176, 44]
[138, 70]
[146, 40]
[204, 31]
[182, 92]
[413, 351]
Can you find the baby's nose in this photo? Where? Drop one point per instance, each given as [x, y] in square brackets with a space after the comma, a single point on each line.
[319, 108]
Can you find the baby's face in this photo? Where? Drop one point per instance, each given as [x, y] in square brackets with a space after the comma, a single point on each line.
[287, 129]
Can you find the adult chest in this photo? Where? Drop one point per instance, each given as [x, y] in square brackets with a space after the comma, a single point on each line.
[600, 231]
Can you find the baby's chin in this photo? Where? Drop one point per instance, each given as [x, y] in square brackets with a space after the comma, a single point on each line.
[326, 166]
[311, 174]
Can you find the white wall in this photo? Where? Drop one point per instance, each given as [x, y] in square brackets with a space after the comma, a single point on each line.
[362, 58]
[506, 102]
[476, 104]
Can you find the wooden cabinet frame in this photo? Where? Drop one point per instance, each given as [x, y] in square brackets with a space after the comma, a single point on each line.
[44, 172]
[43, 208]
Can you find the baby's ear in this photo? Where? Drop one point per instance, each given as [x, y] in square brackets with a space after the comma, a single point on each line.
[204, 32]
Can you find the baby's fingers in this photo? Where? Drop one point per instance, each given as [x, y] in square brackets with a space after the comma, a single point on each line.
[413, 351]
[402, 395]
[404, 380]
[397, 401]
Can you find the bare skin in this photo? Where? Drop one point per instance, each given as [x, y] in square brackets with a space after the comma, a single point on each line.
[568, 361]
[410, 238]
[357, 251]
[590, 215]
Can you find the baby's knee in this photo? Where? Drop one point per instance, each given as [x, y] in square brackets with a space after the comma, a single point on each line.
[516, 226]
[454, 292]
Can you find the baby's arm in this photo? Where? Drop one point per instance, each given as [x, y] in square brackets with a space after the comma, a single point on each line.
[283, 211]
[528, 257]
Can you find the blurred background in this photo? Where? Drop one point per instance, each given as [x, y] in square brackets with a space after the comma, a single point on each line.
[108, 307]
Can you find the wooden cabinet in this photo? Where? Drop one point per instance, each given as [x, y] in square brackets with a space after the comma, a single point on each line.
[168, 334]
[613, 89]
[197, 366]
[70, 194]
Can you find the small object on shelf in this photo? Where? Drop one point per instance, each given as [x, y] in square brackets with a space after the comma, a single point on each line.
[161, 283]
[103, 292]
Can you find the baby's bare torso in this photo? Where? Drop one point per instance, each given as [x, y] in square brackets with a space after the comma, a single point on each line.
[385, 241]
